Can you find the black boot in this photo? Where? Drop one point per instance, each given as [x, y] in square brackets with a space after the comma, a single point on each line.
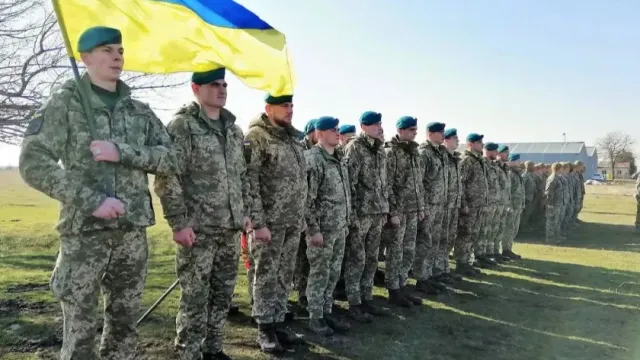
[378, 278]
[465, 270]
[397, 298]
[357, 313]
[286, 336]
[425, 287]
[454, 276]
[215, 356]
[435, 283]
[414, 299]
[268, 340]
[338, 325]
[233, 309]
[302, 301]
[373, 309]
[319, 327]
[510, 254]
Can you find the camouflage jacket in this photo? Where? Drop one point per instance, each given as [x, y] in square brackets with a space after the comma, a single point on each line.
[59, 132]
[435, 179]
[329, 196]
[504, 182]
[473, 177]
[518, 191]
[211, 190]
[541, 181]
[454, 193]
[529, 182]
[306, 143]
[577, 189]
[553, 191]
[567, 191]
[367, 166]
[277, 174]
[404, 175]
[494, 196]
[581, 176]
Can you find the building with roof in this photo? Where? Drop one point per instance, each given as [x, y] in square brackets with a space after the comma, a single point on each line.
[550, 152]
[622, 170]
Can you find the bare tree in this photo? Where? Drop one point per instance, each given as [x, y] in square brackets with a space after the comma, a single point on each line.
[33, 60]
[614, 146]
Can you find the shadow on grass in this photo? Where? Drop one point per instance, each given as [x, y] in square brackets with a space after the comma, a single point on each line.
[29, 262]
[596, 236]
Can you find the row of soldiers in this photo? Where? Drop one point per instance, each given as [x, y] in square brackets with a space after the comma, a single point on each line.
[91, 147]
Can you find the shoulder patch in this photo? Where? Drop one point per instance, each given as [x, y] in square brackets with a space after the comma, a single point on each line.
[35, 124]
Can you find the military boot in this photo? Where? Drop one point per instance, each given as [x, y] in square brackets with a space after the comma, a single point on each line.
[338, 325]
[510, 254]
[442, 278]
[286, 336]
[233, 309]
[302, 301]
[438, 285]
[369, 307]
[465, 270]
[427, 288]
[217, 356]
[319, 327]
[454, 276]
[414, 299]
[397, 298]
[487, 261]
[268, 340]
[378, 278]
[357, 313]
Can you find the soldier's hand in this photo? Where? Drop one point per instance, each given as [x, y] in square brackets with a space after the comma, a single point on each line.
[246, 224]
[316, 240]
[185, 237]
[395, 221]
[262, 235]
[104, 151]
[420, 215]
[110, 208]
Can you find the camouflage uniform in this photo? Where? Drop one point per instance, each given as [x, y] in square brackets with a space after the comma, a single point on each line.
[301, 273]
[366, 161]
[277, 175]
[637, 196]
[211, 195]
[430, 230]
[566, 204]
[582, 191]
[554, 202]
[539, 217]
[484, 245]
[517, 207]
[503, 209]
[328, 212]
[529, 183]
[454, 195]
[577, 197]
[94, 253]
[473, 178]
[406, 200]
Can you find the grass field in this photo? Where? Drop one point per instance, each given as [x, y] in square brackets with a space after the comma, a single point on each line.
[578, 300]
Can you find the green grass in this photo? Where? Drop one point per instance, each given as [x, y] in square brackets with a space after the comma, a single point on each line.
[578, 300]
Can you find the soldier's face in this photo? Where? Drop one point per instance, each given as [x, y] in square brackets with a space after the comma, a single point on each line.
[490, 154]
[375, 130]
[280, 114]
[436, 137]
[345, 137]
[503, 156]
[451, 143]
[408, 134]
[329, 137]
[105, 63]
[476, 146]
[213, 94]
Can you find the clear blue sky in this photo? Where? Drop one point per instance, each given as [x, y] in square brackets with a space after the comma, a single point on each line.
[515, 70]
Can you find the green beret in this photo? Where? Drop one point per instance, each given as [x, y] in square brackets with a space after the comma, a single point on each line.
[347, 129]
[503, 148]
[278, 100]
[370, 118]
[473, 137]
[406, 122]
[491, 146]
[207, 77]
[311, 126]
[98, 36]
[435, 127]
[449, 133]
[514, 157]
[326, 123]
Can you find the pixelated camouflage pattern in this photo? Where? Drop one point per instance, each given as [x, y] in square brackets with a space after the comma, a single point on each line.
[211, 190]
[366, 161]
[473, 179]
[59, 132]
[454, 187]
[554, 200]
[277, 175]
[530, 191]
[435, 180]
[404, 177]
[504, 183]
[207, 273]
[494, 195]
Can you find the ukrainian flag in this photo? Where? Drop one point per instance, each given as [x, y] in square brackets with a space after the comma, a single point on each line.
[169, 36]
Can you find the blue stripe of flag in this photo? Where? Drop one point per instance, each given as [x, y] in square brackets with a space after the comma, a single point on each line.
[223, 13]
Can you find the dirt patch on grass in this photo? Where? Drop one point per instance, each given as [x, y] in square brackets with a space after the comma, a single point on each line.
[14, 306]
[27, 287]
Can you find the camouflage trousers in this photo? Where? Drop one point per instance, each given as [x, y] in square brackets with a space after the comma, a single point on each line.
[324, 271]
[469, 227]
[450, 230]
[430, 237]
[207, 273]
[552, 215]
[567, 219]
[513, 225]
[526, 218]
[638, 216]
[361, 253]
[301, 273]
[273, 266]
[401, 249]
[116, 262]
[494, 242]
[486, 230]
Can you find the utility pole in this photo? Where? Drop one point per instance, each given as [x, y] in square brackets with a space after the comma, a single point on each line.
[564, 136]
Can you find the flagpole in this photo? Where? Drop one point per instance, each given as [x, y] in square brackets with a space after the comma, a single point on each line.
[82, 89]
